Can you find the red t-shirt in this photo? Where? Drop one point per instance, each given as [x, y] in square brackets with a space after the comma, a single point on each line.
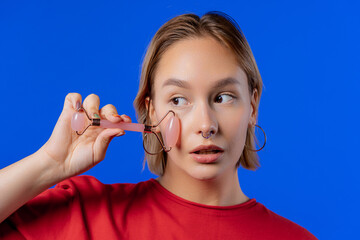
[84, 208]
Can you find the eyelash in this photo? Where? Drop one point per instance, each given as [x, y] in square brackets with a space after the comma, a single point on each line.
[227, 94]
[173, 99]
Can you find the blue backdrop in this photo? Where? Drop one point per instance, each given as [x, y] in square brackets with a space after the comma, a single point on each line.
[308, 55]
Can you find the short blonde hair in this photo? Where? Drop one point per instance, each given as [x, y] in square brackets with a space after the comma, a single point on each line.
[226, 31]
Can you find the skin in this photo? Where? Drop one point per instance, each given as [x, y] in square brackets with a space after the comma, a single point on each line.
[199, 65]
[198, 62]
[64, 155]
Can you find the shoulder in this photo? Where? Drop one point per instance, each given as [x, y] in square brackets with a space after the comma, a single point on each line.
[83, 187]
[81, 181]
[71, 205]
[86, 185]
[281, 226]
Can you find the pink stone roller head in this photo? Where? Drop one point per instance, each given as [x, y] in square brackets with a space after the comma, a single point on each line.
[81, 122]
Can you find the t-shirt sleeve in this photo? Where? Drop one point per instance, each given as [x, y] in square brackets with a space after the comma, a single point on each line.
[50, 213]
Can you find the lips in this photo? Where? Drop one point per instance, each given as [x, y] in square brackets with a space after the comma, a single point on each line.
[206, 153]
[207, 148]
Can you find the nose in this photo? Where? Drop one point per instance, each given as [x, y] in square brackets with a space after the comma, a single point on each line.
[205, 121]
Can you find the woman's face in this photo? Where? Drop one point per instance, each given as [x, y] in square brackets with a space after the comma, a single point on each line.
[202, 83]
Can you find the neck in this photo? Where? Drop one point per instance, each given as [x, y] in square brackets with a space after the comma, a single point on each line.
[224, 190]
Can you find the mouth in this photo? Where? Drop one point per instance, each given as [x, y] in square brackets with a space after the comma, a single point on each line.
[206, 153]
[207, 149]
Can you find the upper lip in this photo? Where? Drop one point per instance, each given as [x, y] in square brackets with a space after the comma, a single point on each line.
[207, 147]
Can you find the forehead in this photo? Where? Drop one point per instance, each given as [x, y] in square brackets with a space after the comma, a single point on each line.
[197, 60]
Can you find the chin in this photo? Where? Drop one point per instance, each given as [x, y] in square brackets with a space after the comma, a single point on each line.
[205, 173]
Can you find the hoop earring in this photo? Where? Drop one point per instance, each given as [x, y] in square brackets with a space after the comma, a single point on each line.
[257, 150]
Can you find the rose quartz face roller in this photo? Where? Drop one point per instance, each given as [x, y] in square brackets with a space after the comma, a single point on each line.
[171, 135]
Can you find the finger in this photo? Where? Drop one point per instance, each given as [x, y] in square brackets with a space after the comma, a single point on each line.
[109, 112]
[72, 100]
[91, 105]
[126, 118]
[70, 103]
[63, 124]
[102, 142]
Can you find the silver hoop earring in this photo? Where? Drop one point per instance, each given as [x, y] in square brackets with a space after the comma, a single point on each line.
[257, 150]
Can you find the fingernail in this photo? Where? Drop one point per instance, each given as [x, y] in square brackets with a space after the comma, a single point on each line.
[96, 115]
[116, 115]
[78, 105]
[126, 118]
[120, 134]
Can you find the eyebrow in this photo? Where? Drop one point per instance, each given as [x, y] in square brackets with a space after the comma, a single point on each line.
[183, 84]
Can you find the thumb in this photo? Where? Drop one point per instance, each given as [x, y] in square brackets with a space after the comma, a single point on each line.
[102, 142]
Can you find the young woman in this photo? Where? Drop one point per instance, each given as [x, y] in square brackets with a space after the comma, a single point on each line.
[204, 71]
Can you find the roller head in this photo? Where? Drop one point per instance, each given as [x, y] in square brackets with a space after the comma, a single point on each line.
[78, 121]
[172, 131]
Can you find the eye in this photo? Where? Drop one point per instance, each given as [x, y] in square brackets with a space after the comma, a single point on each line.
[178, 101]
[224, 98]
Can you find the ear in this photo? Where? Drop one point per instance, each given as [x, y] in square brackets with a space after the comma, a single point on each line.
[152, 112]
[253, 108]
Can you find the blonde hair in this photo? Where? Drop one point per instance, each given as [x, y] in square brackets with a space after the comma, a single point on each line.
[226, 31]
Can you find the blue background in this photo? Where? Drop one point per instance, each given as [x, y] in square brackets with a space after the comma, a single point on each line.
[308, 55]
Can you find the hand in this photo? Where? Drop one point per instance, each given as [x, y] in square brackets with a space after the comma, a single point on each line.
[75, 154]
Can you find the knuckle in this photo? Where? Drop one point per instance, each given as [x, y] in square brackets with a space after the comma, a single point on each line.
[109, 106]
[109, 109]
[93, 95]
[91, 102]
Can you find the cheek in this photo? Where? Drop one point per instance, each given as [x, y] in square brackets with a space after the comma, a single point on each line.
[234, 127]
